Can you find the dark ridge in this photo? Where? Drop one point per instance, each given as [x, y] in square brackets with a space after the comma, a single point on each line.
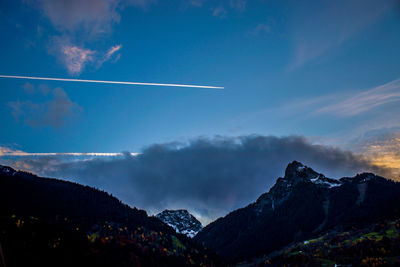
[301, 205]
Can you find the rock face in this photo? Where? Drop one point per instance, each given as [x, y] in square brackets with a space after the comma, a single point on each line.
[182, 221]
[301, 205]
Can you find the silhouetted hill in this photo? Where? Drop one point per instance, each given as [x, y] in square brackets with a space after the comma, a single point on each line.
[25, 193]
[50, 222]
[301, 205]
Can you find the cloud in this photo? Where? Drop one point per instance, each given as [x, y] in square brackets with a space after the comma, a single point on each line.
[111, 53]
[322, 26]
[238, 4]
[364, 101]
[382, 148]
[92, 16]
[344, 104]
[76, 58]
[55, 112]
[5, 151]
[218, 8]
[79, 24]
[29, 88]
[210, 177]
[196, 3]
[261, 29]
[220, 12]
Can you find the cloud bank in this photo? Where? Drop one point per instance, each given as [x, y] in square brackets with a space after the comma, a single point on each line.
[209, 177]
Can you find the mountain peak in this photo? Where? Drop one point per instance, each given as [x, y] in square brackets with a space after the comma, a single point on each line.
[182, 221]
[296, 172]
[296, 169]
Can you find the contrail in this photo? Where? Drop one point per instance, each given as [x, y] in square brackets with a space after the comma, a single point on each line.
[76, 154]
[110, 82]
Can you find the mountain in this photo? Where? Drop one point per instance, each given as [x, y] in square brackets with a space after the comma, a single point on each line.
[300, 206]
[50, 222]
[182, 221]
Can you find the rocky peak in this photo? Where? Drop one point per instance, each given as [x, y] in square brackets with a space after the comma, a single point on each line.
[182, 221]
[295, 174]
[296, 170]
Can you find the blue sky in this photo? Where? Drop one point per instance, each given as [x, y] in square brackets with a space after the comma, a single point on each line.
[327, 71]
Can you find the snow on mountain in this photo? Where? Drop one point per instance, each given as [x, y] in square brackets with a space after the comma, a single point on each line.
[182, 221]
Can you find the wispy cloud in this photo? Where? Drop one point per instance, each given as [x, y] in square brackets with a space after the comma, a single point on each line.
[29, 88]
[218, 9]
[321, 26]
[4, 151]
[220, 12]
[111, 53]
[91, 16]
[238, 4]
[261, 29]
[75, 58]
[196, 3]
[53, 112]
[79, 24]
[342, 104]
[363, 101]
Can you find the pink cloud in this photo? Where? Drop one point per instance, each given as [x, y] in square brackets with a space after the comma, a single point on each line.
[75, 58]
[111, 52]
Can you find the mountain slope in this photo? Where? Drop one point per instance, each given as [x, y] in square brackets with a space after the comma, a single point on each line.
[375, 245]
[301, 205]
[49, 222]
[182, 221]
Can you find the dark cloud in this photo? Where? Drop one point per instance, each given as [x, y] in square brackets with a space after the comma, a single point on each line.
[55, 112]
[210, 177]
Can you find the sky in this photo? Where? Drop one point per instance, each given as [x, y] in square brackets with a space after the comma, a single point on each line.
[316, 81]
